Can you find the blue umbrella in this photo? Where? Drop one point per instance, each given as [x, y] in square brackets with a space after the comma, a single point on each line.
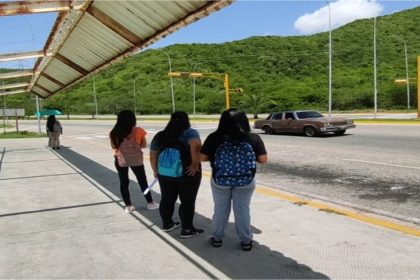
[47, 113]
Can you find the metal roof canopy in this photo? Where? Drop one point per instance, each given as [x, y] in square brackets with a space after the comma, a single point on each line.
[90, 35]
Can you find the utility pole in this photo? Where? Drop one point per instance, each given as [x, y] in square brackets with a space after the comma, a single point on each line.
[418, 87]
[329, 61]
[172, 83]
[375, 91]
[38, 115]
[94, 97]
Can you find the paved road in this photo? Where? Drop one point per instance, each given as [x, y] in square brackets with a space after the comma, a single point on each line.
[374, 167]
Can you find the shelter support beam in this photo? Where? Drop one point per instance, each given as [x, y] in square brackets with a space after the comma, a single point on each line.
[16, 74]
[13, 8]
[114, 26]
[20, 56]
[71, 64]
[17, 85]
[12, 92]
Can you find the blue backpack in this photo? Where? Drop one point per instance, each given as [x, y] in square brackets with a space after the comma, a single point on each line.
[173, 159]
[234, 164]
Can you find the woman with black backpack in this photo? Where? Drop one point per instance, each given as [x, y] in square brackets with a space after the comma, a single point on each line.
[233, 152]
[175, 160]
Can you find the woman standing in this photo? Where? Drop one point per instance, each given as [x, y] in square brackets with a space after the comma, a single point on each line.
[125, 130]
[54, 130]
[233, 151]
[175, 160]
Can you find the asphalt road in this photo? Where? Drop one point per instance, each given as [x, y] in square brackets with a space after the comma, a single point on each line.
[372, 167]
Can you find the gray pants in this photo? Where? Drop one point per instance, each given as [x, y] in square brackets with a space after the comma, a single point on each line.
[240, 198]
[54, 139]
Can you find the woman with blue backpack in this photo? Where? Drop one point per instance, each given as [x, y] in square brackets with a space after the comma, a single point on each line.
[127, 142]
[175, 160]
[233, 152]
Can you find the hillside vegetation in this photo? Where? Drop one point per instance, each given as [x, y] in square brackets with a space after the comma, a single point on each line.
[274, 72]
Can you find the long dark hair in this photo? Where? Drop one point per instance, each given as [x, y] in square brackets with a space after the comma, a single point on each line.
[233, 124]
[178, 123]
[126, 120]
[50, 123]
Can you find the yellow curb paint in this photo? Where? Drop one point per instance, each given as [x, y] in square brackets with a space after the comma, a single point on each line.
[326, 208]
[329, 209]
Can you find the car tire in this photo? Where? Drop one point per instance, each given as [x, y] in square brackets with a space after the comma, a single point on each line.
[268, 130]
[341, 132]
[309, 131]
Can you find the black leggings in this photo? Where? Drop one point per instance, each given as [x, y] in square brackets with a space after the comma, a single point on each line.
[125, 181]
[187, 192]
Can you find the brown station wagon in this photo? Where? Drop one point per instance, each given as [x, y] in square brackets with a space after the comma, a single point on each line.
[309, 123]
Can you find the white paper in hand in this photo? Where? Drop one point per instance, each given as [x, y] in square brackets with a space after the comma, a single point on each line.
[150, 186]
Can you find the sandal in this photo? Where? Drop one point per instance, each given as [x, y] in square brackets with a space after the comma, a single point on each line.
[247, 246]
[216, 243]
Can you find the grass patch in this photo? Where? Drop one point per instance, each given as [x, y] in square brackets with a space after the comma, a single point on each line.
[21, 134]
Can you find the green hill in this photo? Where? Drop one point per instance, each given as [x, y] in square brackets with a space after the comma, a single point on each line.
[274, 72]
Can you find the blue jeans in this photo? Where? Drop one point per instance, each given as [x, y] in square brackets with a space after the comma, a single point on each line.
[240, 198]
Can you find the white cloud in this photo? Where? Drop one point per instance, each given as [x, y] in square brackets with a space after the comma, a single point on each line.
[342, 12]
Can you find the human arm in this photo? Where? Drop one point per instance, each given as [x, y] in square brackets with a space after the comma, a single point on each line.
[153, 161]
[204, 157]
[195, 147]
[262, 158]
[259, 149]
[143, 143]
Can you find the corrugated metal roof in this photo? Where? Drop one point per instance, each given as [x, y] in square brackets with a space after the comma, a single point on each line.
[90, 35]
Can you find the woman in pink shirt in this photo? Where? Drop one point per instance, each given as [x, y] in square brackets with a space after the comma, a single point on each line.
[125, 129]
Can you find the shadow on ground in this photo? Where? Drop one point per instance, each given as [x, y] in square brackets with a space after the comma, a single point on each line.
[260, 263]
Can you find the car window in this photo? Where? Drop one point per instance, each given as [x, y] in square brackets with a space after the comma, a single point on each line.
[289, 115]
[309, 115]
[278, 116]
[269, 116]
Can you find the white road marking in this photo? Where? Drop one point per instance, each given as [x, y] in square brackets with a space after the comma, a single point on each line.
[382, 163]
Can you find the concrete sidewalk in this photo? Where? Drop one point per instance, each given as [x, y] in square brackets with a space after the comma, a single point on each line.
[62, 217]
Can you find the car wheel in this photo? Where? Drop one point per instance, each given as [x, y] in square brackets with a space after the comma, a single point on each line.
[268, 130]
[341, 132]
[309, 131]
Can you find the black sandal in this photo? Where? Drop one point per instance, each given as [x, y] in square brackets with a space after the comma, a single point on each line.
[247, 246]
[216, 243]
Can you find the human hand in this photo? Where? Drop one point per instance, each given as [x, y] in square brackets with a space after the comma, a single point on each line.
[193, 169]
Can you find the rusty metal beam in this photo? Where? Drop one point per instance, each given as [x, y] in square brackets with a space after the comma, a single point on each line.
[205, 10]
[13, 8]
[12, 92]
[71, 64]
[45, 75]
[114, 25]
[63, 27]
[44, 89]
[16, 85]
[20, 56]
[16, 74]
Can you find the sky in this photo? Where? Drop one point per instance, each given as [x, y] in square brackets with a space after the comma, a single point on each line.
[242, 19]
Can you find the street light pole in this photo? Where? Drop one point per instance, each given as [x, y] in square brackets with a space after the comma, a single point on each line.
[172, 84]
[94, 97]
[195, 65]
[134, 96]
[329, 60]
[406, 74]
[375, 91]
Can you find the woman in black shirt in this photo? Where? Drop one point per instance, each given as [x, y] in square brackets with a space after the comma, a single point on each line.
[232, 151]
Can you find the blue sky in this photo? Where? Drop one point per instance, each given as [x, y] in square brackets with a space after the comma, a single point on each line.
[242, 19]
